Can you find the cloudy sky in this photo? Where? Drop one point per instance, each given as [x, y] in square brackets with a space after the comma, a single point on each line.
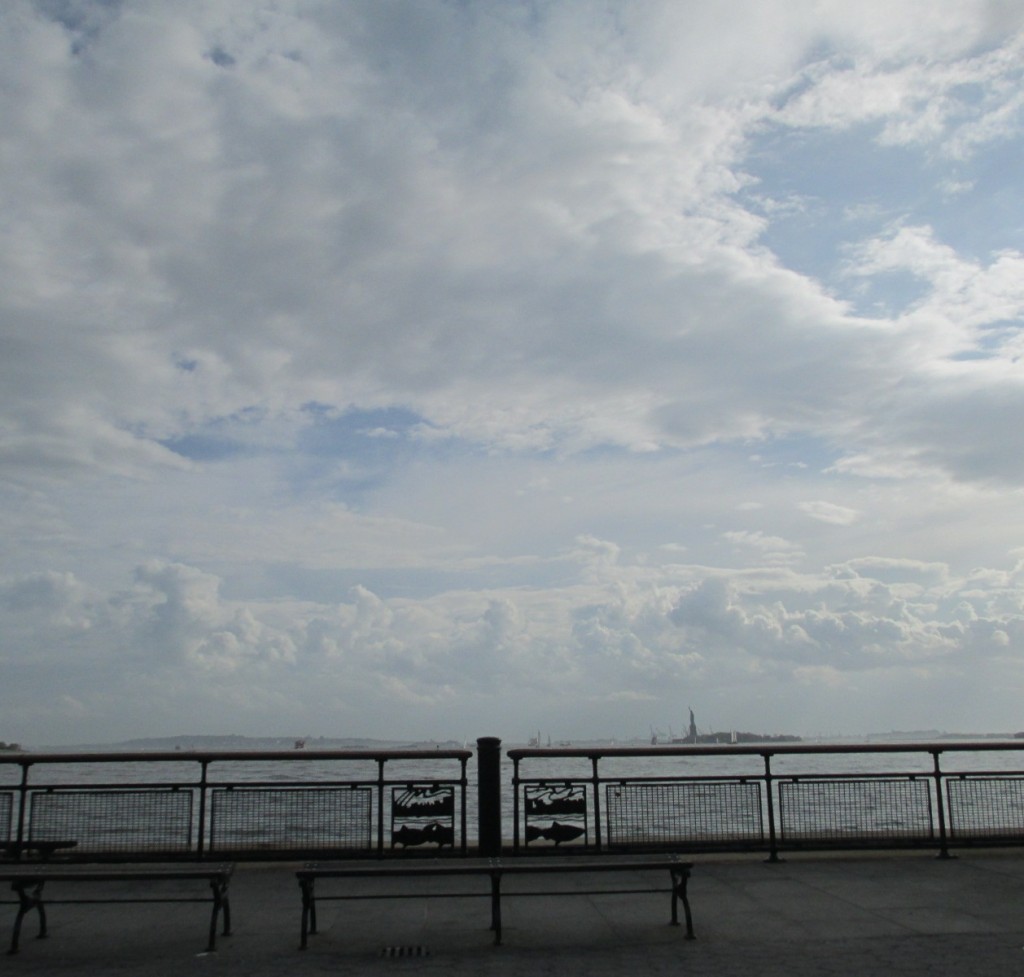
[446, 368]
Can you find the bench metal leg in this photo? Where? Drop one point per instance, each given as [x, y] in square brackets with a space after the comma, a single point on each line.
[226, 909]
[680, 876]
[27, 901]
[220, 904]
[308, 911]
[496, 906]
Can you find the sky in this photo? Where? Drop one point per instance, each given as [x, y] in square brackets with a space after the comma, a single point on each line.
[420, 369]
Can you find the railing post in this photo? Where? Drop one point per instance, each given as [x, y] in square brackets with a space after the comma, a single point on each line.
[488, 767]
[515, 804]
[380, 805]
[23, 802]
[773, 849]
[203, 789]
[463, 785]
[940, 804]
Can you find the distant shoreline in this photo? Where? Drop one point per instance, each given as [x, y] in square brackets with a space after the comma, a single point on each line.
[234, 742]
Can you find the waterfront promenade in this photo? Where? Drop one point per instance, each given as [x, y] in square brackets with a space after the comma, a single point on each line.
[891, 914]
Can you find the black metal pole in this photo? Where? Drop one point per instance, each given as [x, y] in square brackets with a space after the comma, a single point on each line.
[773, 847]
[380, 807]
[515, 805]
[203, 789]
[23, 802]
[463, 782]
[940, 805]
[488, 767]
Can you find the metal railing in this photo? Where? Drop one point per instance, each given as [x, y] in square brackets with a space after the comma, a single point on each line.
[242, 805]
[318, 803]
[616, 798]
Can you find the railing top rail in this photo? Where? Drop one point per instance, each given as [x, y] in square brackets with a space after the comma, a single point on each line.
[762, 749]
[207, 756]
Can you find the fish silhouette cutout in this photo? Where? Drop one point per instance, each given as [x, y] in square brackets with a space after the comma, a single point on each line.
[559, 832]
[439, 834]
[408, 837]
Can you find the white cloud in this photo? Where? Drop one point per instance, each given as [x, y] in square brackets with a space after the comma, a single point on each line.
[829, 512]
[951, 98]
[634, 637]
[963, 294]
[400, 357]
[772, 549]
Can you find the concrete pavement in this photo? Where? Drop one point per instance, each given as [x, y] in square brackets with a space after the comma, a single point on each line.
[892, 914]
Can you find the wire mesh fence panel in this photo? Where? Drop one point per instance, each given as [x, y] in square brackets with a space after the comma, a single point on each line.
[6, 815]
[986, 807]
[869, 810]
[302, 819]
[683, 813]
[122, 822]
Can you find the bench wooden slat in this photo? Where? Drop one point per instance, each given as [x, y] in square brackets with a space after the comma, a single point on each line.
[84, 872]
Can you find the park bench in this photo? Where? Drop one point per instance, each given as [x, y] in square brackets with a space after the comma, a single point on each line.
[419, 819]
[119, 836]
[28, 879]
[493, 871]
